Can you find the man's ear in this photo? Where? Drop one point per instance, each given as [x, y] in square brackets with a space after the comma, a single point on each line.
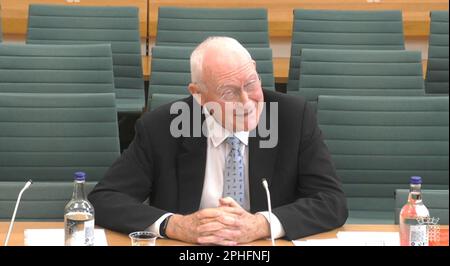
[195, 91]
[193, 88]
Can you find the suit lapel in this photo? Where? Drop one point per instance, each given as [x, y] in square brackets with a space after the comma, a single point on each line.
[191, 164]
[261, 165]
[191, 173]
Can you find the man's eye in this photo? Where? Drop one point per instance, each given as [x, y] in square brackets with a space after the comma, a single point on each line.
[251, 85]
[228, 92]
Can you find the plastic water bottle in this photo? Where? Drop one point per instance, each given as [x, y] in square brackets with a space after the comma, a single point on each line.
[412, 233]
[79, 216]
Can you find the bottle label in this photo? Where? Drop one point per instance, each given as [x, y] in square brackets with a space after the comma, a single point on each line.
[418, 235]
[79, 229]
[89, 232]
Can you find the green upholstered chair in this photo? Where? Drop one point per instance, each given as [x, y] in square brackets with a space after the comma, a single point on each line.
[171, 69]
[435, 200]
[349, 30]
[159, 99]
[119, 26]
[179, 26]
[47, 137]
[437, 70]
[360, 72]
[56, 68]
[378, 142]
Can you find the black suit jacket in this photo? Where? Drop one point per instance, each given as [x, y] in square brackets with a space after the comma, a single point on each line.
[159, 173]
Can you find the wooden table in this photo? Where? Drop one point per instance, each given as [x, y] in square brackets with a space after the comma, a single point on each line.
[118, 239]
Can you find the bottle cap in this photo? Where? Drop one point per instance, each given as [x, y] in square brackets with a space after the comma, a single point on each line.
[80, 176]
[416, 180]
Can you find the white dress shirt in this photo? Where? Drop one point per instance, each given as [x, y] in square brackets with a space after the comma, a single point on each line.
[217, 151]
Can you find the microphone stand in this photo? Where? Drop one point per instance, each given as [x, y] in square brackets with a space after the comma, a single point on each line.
[269, 204]
[27, 185]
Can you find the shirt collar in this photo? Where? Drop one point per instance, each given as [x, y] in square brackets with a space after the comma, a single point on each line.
[218, 134]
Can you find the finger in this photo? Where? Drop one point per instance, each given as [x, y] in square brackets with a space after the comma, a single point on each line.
[211, 239]
[233, 210]
[228, 211]
[208, 227]
[229, 220]
[227, 243]
[208, 213]
[228, 201]
[228, 234]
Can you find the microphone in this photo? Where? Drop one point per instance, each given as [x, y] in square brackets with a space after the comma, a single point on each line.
[27, 185]
[269, 204]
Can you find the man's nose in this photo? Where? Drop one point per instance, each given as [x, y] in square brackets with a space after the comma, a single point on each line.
[243, 96]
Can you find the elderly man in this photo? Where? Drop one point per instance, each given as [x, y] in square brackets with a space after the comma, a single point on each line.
[207, 189]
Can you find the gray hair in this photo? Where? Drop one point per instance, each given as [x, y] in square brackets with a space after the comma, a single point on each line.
[216, 42]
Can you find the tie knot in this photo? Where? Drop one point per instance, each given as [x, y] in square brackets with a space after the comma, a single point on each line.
[234, 142]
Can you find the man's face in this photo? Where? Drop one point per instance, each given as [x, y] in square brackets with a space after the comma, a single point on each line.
[234, 94]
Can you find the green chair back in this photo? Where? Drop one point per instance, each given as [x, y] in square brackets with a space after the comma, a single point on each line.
[378, 142]
[179, 26]
[435, 200]
[437, 70]
[47, 137]
[56, 68]
[119, 26]
[360, 73]
[171, 69]
[349, 30]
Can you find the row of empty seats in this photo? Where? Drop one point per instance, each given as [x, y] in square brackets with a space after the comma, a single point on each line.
[359, 72]
[89, 69]
[47, 137]
[361, 52]
[376, 144]
[317, 29]
[81, 25]
[60, 92]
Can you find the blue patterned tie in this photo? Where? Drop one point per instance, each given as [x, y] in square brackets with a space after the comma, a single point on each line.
[234, 172]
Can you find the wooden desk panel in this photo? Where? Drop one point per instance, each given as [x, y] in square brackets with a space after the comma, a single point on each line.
[15, 12]
[118, 239]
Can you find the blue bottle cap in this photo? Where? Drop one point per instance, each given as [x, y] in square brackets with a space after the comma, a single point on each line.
[416, 180]
[80, 176]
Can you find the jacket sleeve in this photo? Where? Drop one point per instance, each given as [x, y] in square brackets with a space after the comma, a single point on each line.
[119, 197]
[321, 204]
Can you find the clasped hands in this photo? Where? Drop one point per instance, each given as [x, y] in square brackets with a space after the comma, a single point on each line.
[229, 225]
